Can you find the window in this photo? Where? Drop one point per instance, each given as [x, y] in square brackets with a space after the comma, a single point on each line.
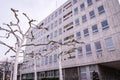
[51, 27]
[78, 35]
[97, 0]
[50, 59]
[77, 22]
[101, 9]
[55, 33]
[60, 20]
[55, 57]
[109, 44]
[98, 46]
[52, 16]
[89, 2]
[74, 1]
[104, 24]
[76, 11]
[84, 18]
[86, 32]
[88, 49]
[60, 11]
[48, 19]
[46, 60]
[55, 14]
[82, 6]
[60, 31]
[51, 35]
[83, 73]
[55, 24]
[94, 28]
[92, 14]
[79, 51]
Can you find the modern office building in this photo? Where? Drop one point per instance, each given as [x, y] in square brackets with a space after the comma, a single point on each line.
[96, 23]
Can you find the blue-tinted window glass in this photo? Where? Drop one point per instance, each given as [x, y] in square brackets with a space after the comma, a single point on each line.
[79, 51]
[86, 32]
[104, 24]
[94, 28]
[84, 18]
[98, 46]
[74, 1]
[101, 9]
[77, 22]
[78, 35]
[89, 2]
[76, 11]
[92, 14]
[109, 44]
[82, 6]
[88, 49]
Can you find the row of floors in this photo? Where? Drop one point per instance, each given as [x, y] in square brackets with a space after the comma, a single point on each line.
[103, 72]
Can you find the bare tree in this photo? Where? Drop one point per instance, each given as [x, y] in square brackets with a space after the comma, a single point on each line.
[13, 29]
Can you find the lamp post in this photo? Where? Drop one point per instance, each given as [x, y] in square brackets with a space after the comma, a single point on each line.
[3, 74]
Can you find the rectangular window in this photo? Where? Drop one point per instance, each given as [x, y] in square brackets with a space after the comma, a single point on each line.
[83, 73]
[92, 14]
[51, 36]
[55, 24]
[98, 47]
[79, 51]
[50, 59]
[46, 60]
[94, 28]
[109, 44]
[60, 11]
[55, 57]
[101, 9]
[76, 11]
[55, 33]
[104, 24]
[55, 14]
[78, 35]
[82, 7]
[77, 22]
[84, 18]
[88, 49]
[74, 1]
[89, 2]
[60, 31]
[48, 19]
[51, 27]
[86, 32]
[60, 21]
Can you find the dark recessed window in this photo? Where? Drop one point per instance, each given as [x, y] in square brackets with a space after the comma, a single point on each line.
[86, 32]
[88, 49]
[94, 28]
[98, 46]
[92, 14]
[89, 2]
[74, 1]
[104, 25]
[77, 22]
[101, 9]
[78, 35]
[76, 11]
[82, 6]
[84, 18]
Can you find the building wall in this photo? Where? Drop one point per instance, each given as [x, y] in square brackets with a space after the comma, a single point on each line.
[108, 37]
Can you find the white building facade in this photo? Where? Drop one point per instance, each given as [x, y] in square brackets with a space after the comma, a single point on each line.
[94, 22]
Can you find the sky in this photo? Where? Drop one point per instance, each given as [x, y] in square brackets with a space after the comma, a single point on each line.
[35, 9]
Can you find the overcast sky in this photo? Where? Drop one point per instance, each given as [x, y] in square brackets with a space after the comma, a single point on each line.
[36, 9]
